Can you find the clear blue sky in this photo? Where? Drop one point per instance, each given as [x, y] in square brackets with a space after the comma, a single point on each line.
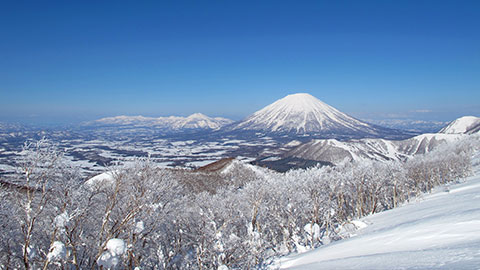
[79, 60]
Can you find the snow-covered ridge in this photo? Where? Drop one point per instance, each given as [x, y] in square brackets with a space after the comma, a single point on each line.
[194, 121]
[335, 151]
[465, 125]
[304, 114]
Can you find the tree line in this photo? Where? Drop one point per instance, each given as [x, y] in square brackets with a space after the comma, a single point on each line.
[143, 217]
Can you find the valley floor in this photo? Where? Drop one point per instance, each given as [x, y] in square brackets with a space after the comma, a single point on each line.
[441, 230]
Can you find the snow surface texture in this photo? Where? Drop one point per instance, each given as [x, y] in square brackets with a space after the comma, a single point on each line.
[464, 125]
[439, 231]
[101, 180]
[57, 252]
[61, 221]
[111, 256]
[302, 113]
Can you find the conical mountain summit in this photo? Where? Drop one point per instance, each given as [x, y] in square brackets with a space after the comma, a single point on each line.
[303, 114]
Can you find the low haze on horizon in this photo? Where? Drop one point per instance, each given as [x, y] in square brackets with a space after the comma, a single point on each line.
[71, 62]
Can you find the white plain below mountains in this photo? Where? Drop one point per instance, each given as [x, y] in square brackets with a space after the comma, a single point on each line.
[296, 131]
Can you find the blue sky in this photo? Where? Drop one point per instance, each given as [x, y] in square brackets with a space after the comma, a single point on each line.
[70, 61]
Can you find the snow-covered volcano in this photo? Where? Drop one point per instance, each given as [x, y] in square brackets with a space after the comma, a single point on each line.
[304, 114]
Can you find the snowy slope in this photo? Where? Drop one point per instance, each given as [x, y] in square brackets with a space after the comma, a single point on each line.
[374, 149]
[304, 114]
[463, 125]
[174, 123]
[439, 231]
[335, 151]
[425, 143]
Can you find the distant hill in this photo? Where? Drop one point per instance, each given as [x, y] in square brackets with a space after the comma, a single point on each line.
[196, 121]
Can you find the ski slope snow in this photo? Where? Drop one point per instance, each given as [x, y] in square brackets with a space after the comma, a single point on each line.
[441, 230]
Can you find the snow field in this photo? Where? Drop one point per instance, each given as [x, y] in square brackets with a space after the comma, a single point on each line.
[439, 231]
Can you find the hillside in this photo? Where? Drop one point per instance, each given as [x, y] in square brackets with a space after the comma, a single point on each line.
[463, 125]
[438, 231]
[334, 151]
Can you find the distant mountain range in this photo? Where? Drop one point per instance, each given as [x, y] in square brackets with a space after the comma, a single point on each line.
[411, 125]
[196, 121]
[298, 115]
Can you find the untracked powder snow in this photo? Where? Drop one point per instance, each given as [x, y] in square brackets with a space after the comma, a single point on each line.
[439, 231]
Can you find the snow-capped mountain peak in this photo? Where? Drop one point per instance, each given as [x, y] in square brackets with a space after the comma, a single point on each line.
[302, 113]
[300, 102]
[201, 121]
[197, 116]
[464, 125]
[169, 123]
